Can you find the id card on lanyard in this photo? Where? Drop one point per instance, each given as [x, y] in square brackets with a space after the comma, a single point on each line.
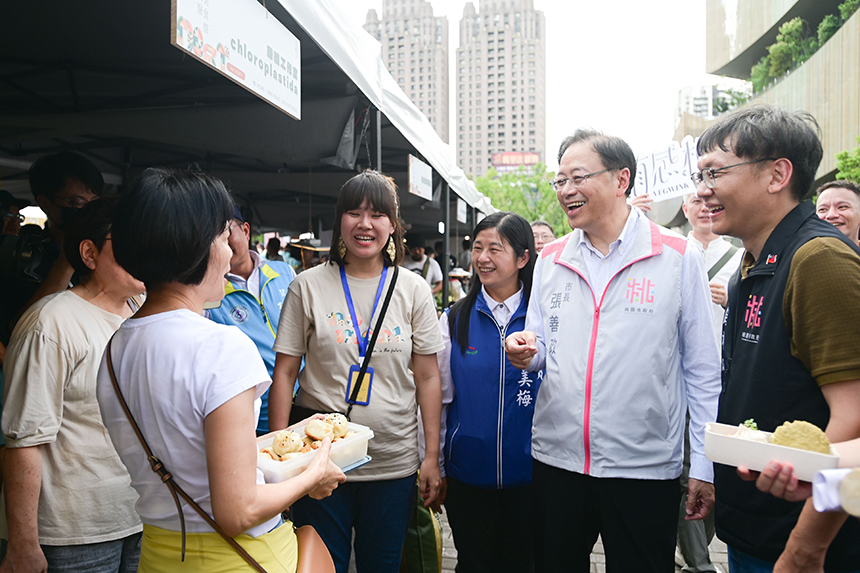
[366, 384]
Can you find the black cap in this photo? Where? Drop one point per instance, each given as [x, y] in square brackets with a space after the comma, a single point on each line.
[415, 240]
[237, 214]
[7, 200]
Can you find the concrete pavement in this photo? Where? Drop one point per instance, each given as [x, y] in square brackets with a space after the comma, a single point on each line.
[598, 560]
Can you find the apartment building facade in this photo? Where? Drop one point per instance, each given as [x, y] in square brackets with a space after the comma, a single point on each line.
[500, 83]
[415, 49]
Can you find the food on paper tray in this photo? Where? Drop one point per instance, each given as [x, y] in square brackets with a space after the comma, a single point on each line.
[801, 435]
[288, 444]
[744, 446]
[798, 434]
[749, 431]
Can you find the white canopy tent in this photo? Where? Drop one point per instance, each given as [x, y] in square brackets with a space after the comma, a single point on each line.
[360, 57]
[102, 79]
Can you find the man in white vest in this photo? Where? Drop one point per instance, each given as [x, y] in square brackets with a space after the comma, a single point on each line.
[620, 316]
[722, 258]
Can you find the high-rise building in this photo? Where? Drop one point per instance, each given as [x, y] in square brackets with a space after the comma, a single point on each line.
[415, 49]
[696, 100]
[500, 79]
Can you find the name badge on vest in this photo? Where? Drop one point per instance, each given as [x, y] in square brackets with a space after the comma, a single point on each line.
[363, 398]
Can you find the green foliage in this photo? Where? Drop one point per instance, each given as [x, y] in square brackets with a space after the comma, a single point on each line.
[780, 59]
[794, 45]
[847, 8]
[526, 192]
[848, 164]
[760, 74]
[827, 28]
[810, 46]
[730, 99]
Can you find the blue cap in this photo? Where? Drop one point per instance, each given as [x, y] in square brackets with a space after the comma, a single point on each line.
[237, 214]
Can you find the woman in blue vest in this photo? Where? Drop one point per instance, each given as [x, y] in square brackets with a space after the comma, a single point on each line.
[488, 445]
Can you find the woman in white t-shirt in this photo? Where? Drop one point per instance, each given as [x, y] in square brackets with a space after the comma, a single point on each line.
[327, 318]
[193, 386]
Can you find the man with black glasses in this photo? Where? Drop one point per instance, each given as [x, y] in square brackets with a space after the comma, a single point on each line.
[10, 211]
[61, 183]
[790, 334]
[620, 316]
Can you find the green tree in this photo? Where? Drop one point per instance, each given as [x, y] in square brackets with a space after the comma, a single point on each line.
[828, 26]
[760, 74]
[780, 59]
[848, 164]
[730, 99]
[526, 192]
[847, 8]
[793, 46]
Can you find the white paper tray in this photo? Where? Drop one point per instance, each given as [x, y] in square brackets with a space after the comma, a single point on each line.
[344, 453]
[723, 447]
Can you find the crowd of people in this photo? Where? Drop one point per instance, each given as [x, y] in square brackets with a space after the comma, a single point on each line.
[563, 397]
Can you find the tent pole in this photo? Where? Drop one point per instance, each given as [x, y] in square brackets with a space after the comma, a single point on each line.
[377, 140]
[446, 217]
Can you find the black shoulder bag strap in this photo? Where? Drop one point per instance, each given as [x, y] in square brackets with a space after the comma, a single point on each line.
[718, 266]
[357, 388]
[167, 478]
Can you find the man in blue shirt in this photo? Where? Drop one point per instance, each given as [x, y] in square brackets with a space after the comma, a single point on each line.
[253, 298]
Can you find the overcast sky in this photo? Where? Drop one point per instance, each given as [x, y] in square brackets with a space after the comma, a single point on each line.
[615, 65]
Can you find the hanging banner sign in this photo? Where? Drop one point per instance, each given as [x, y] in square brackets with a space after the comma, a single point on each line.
[461, 210]
[666, 173]
[512, 160]
[420, 178]
[241, 40]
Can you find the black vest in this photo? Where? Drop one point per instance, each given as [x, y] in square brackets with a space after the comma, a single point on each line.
[762, 380]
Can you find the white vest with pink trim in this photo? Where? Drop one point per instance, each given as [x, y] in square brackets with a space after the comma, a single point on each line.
[613, 401]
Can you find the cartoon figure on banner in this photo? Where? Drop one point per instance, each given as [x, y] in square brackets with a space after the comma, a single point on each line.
[195, 42]
[209, 54]
[225, 53]
[181, 36]
[182, 24]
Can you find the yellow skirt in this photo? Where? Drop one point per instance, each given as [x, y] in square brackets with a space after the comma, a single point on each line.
[161, 550]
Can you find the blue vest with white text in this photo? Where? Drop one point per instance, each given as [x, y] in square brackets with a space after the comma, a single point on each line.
[488, 440]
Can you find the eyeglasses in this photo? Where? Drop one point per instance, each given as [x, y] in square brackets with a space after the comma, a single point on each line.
[575, 180]
[18, 216]
[709, 175]
[73, 202]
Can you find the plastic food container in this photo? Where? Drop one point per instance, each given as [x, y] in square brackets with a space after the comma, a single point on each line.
[723, 447]
[344, 453]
